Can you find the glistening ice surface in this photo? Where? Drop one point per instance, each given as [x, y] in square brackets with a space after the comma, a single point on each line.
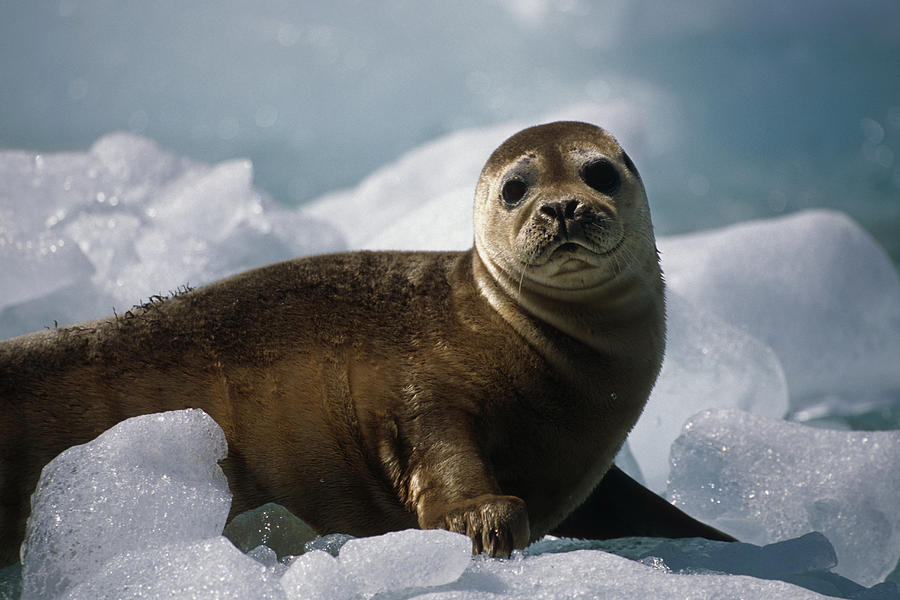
[766, 480]
[126, 558]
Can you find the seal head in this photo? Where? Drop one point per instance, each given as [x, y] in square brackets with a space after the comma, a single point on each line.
[562, 221]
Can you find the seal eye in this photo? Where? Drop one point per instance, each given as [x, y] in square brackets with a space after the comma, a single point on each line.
[513, 191]
[601, 175]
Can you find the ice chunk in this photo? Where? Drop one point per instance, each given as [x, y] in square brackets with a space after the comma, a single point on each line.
[163, 549]
[220, 197]
[207, 223]
[37, 259]
[272, 525]
[107, 239]
[11, 582]
[130, 169]
[805, 561]
[39, 265]
[330, 543]
[596, 574]
[263, 555]
[815, 287]
[211, 568]
[764, 480]
[444, 223]
[368, 566]
[318, 575]
[388, 194]
[708, 363]
[149, 481]
[811, 552]
[82, 233]
[406, 559]
[40, 195]
[77, 302]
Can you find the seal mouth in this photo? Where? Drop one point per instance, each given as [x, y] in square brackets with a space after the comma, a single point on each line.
[572, 256]
[574, 249]
[568, 253]
[560, 246]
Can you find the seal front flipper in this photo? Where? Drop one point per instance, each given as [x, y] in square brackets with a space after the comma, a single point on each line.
[620, 507]
[497, 524]
[451, 487]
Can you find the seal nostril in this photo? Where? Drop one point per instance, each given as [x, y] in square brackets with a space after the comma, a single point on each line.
[564, 211]
[551, 210]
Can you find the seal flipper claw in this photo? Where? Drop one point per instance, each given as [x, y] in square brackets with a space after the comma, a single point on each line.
[497, 525]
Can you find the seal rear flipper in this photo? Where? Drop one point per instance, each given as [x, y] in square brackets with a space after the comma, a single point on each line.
[621, 507]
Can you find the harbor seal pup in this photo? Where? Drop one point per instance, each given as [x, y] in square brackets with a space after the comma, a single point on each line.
[485, 392]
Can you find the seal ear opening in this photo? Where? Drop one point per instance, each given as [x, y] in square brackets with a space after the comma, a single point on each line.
[629, 164]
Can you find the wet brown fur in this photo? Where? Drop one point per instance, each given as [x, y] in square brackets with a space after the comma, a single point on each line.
[366, 392]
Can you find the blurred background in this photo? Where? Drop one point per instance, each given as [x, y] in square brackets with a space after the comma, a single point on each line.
[751, 108]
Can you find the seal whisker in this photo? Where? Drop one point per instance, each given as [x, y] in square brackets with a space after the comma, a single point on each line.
[522, 276]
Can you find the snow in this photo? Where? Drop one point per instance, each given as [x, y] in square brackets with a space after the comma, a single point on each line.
[786, 317]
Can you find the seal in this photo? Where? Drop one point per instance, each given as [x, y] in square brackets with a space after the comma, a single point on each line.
[485, 392]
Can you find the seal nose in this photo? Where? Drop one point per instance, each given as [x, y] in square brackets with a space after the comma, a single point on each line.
[564, 211]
